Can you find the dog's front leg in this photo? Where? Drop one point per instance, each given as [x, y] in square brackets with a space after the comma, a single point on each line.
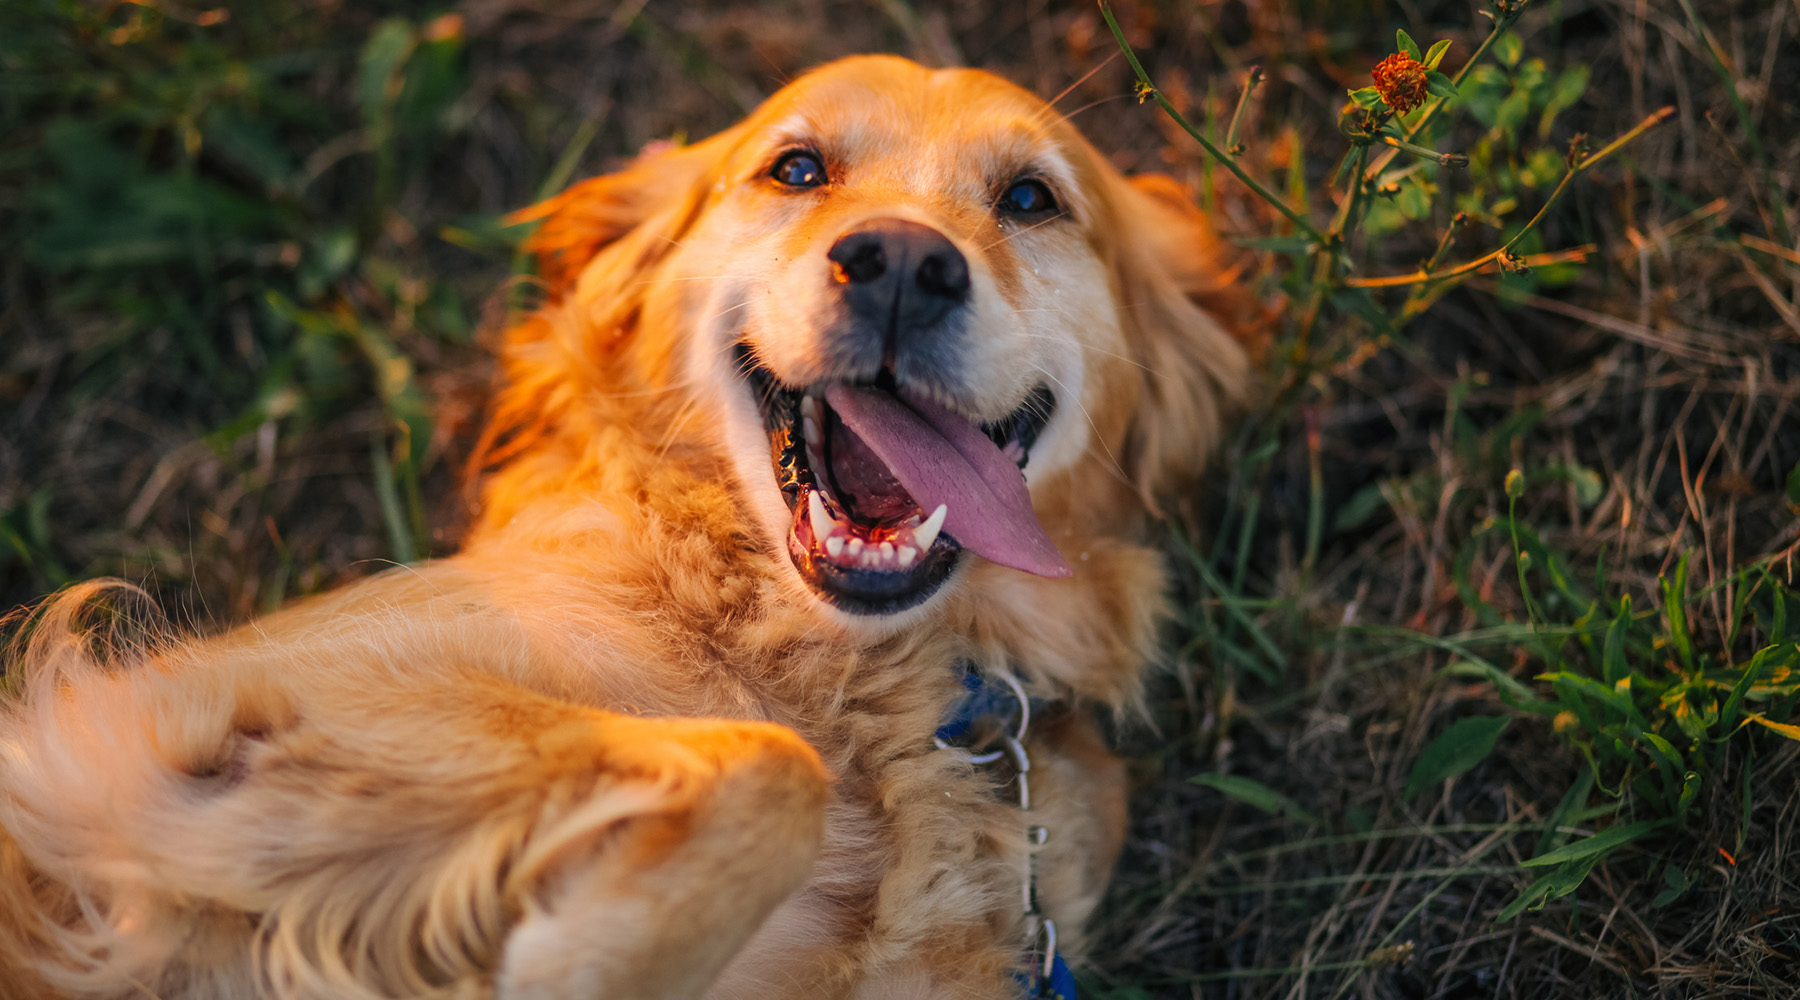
[654, 907]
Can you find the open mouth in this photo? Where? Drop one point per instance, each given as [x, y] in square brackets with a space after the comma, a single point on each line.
[887, 487]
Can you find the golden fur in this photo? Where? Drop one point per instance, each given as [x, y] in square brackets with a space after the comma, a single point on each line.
[614, 747]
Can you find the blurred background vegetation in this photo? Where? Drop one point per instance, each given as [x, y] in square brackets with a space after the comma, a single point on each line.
[254, 261]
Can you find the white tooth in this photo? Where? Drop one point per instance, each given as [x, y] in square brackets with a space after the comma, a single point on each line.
[887, 551]
[856, 545]
[809, 407]
[835, 545]
[928, 531]
[811, 427]
[821, 521]
[906, 555]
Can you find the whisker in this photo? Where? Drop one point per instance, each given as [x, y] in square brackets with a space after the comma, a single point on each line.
[1085, 77]
[677, 425]
[1027, 229]
[1119, 469]
[1085, 107]
[696, 277]
[1051, 116]
[1087, 347]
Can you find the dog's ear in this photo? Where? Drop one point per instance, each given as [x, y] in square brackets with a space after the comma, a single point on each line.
[659, 189]
[1190, 326]
[594, 245]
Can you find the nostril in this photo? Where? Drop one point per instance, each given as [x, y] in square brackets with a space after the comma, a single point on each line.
[857, 259]
[944, 274]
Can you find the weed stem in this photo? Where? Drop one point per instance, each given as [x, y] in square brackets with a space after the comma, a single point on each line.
[1251, 80]
[1428, 155]
[1505, 252]
[1150, 90]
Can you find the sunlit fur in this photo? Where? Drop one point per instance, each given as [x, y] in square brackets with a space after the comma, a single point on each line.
[510, 771]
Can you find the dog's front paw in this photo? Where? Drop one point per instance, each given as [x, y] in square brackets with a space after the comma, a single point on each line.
[647, 889]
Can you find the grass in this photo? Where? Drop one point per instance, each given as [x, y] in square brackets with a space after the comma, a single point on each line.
[1434, 730]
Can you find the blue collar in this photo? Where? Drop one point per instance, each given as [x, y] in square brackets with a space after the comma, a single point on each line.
[1003, 699]
[1058, 985]
[984, 697]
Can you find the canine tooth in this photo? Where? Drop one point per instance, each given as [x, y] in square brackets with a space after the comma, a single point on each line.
[856, 546]
[928, 532]
[811, 427]
[822, 524]
[809, 407]
[906, 555]
[835, 546]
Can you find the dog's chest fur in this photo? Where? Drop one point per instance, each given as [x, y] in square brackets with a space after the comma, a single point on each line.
[918, 886]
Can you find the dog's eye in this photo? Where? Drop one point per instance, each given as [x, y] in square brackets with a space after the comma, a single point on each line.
[799, 170]
[1028, 197]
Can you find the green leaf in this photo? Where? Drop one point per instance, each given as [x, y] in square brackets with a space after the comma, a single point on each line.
[377, 77]
[1567, 89]
[1439, 84]
[1462, 745]
[1674, 591]
[1512, 112]
[1690, 788]
[1257, 794]
[1669, 756]
[1588, 487]
[1572, 800]
[1404, 43]
[1508, 48]
[1790, 731]
[1435, 54]
[1610, 696]
[1559, 883]
[1793, 485]
[1513, 693]
[1365, 97]
[1613, 667]
[1746, 678]
[1599, 845]
[1364, 504]
[1677, 882]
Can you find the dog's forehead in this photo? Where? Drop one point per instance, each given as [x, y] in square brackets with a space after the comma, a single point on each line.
[891, 117]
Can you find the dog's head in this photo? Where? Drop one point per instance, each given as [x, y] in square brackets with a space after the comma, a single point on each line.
[922, 319]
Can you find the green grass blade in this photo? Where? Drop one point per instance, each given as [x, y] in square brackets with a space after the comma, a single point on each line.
[1599, 844]
[1462, 745]
[1674, 590]
[1256, 794]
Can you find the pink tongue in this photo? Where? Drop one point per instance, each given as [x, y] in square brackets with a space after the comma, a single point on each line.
[942, 458]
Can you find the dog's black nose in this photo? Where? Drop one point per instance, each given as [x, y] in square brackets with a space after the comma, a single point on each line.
[899, 276]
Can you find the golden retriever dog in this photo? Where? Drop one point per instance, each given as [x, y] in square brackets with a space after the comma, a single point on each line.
[847, 421]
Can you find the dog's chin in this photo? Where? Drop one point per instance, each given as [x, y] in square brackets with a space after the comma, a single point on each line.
[857, 539]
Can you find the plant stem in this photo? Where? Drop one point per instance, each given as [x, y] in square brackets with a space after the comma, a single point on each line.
[1232, 145]
[1457, 221]
[1150, 89]
[1392, 280]
[1428, 155]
